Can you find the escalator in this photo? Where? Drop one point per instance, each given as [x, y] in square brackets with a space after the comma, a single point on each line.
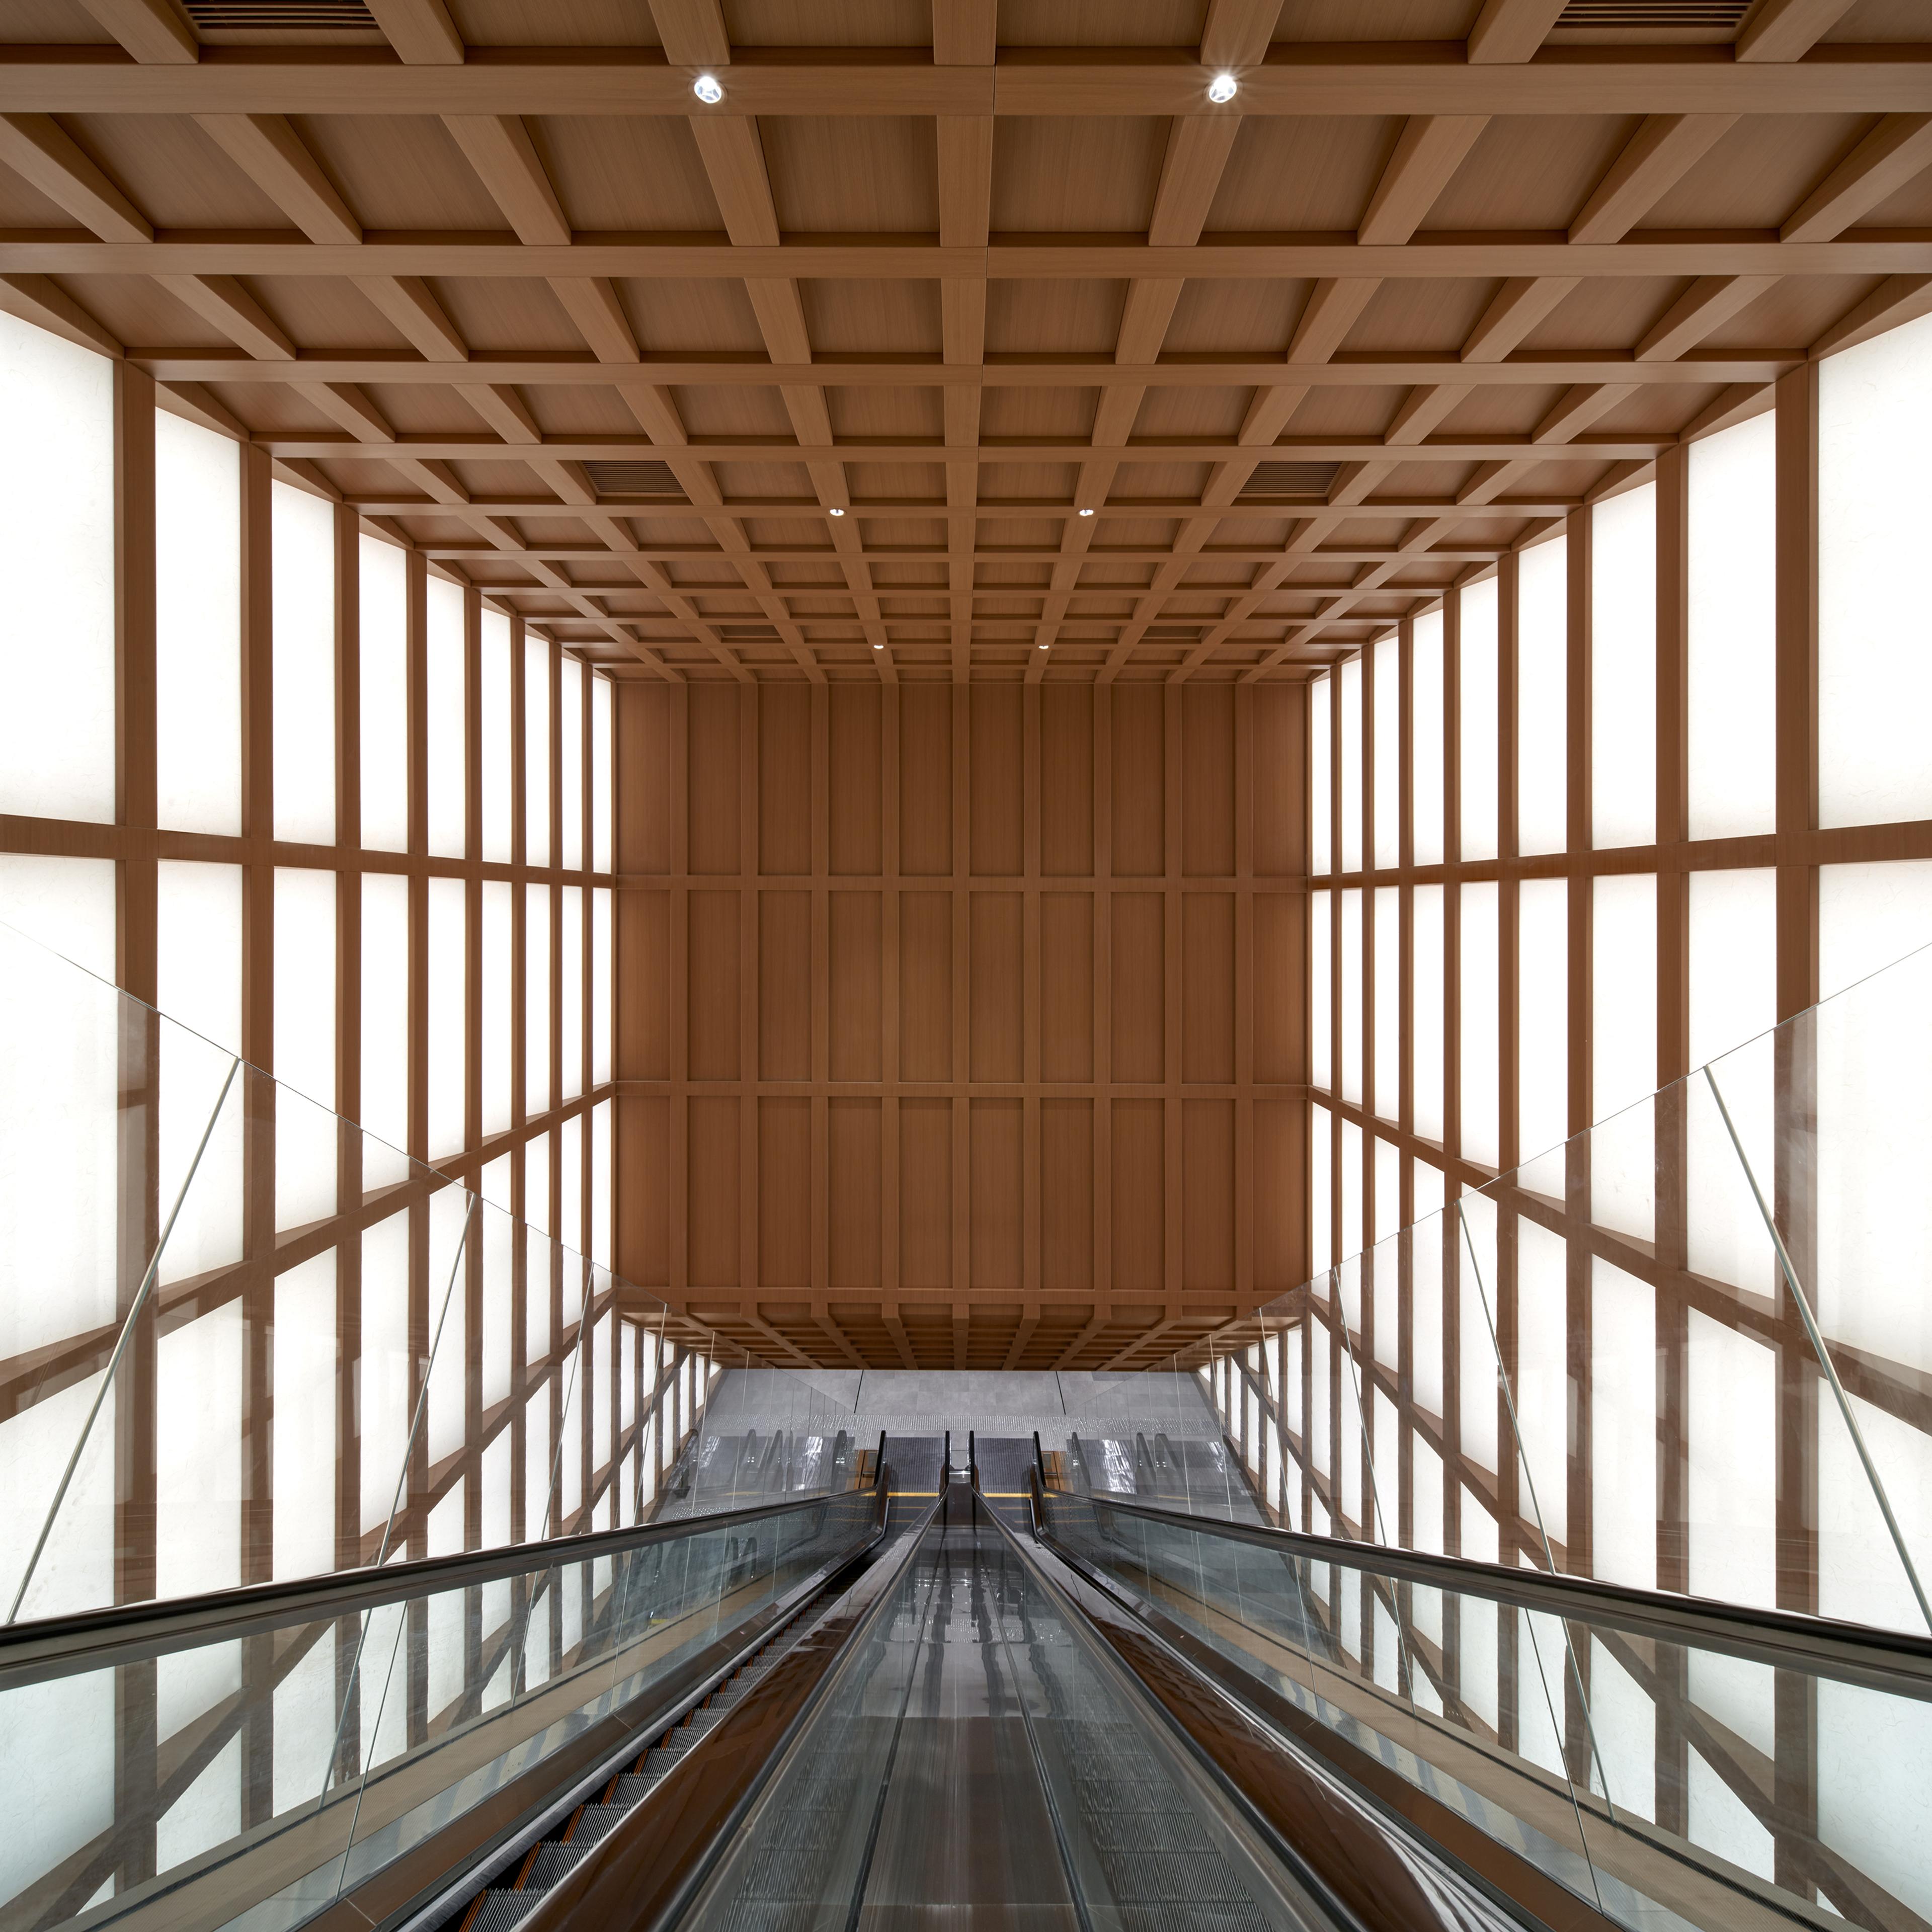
[941, 1698]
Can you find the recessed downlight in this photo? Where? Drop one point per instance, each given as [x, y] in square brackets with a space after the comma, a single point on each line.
[710, 89]
[1221, 89]
[1086, 513]
[878, 647]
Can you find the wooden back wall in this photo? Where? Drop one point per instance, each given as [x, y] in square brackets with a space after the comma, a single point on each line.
[962, 1026]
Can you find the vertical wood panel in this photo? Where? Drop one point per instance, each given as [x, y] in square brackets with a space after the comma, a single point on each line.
[1066, 988]
[856, 727]
[785, 778]
[784, 986]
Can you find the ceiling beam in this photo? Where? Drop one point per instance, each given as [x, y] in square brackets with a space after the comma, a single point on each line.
[1513, 314]
[150, 30]
[271, 154]
[1897, 149]
[420, 31]
[1511, 30]
[1654, 159]
[1390, 79]
[1292, 258]
[1787, 30]
[41, 152]
[1706, 304]
[1428, 151]
[1372, 371]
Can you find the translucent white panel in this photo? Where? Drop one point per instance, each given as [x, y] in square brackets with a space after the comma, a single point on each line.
[1733, 655]
[499, 793]
[1867, 1583]
[68, 905]
[1426, 739]
[1481, 1043]
[1475, 1277]
[600, 1183]
[1870, 916]
[448, 1010]
[1733, 959]
[1321, 1214]
[1388, 1214]
[601, 962]
[1874, 629]
[1542, 700]
[499, 958]
[1724, 1230]
[1348, 1233]
[1388, 1002]
[536, 1184]
[1623, 1425]
[1426, 1022]
[1386, 660]
[444, 727]
[198, 1435]
[1543, 1014]
[305, 1451]
[1624, 1034]
[385, 674]
[602, 798]
[302, 530]
[570, 993]
[198, 983]
[443, 1428]
[1623, 669]
[386, 1007]
[1321, 988]
[1730, 1422]
[305, 1131]
[497, 1233]
[536, 1000]
[1476, 661]
[1348, 695]
[197, 628]
[536, 750]
[388, 1365]
[570, 759]
[305, 981]
[1871, 1794]
[495, 1186]
[1426, 1306]
[570, 1180]
[1873, 1102]
[1542, 1388]
[1348, 995]
[1321, 748]
[1623, 1730]
[57, 560]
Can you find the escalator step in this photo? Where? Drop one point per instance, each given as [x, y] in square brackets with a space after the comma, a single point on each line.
[593, 1822]
[1115, 1830]
[498, 1911]
[633, 1786]
[551, 1863]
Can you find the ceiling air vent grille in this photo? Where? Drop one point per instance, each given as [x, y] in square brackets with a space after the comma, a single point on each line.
[257, 16]
[1290, 479]
[633, 479]
[1657, 15]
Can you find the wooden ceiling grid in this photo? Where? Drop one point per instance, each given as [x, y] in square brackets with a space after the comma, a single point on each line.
[961, 271]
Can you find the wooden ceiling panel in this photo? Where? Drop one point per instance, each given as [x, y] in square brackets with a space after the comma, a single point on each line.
[1542, 167]
[1289, 176]
[401, 172]
[1076, 316]
[1094, 174]
[1092, 23]
[712, 317]
[574, 23]
[1370, 20]
[874, 174]
[1759, 173]
[860, 317]
[808, 23]
[638, 174]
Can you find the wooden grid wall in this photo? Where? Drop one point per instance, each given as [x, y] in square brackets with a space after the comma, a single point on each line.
[961, 1025]
[1318, 1342]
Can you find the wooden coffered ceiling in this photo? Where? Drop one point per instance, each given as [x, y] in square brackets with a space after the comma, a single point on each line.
[1441, 270]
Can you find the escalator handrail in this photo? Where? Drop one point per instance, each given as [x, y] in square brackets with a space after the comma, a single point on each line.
[94, 1639]
[1896, 1660]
